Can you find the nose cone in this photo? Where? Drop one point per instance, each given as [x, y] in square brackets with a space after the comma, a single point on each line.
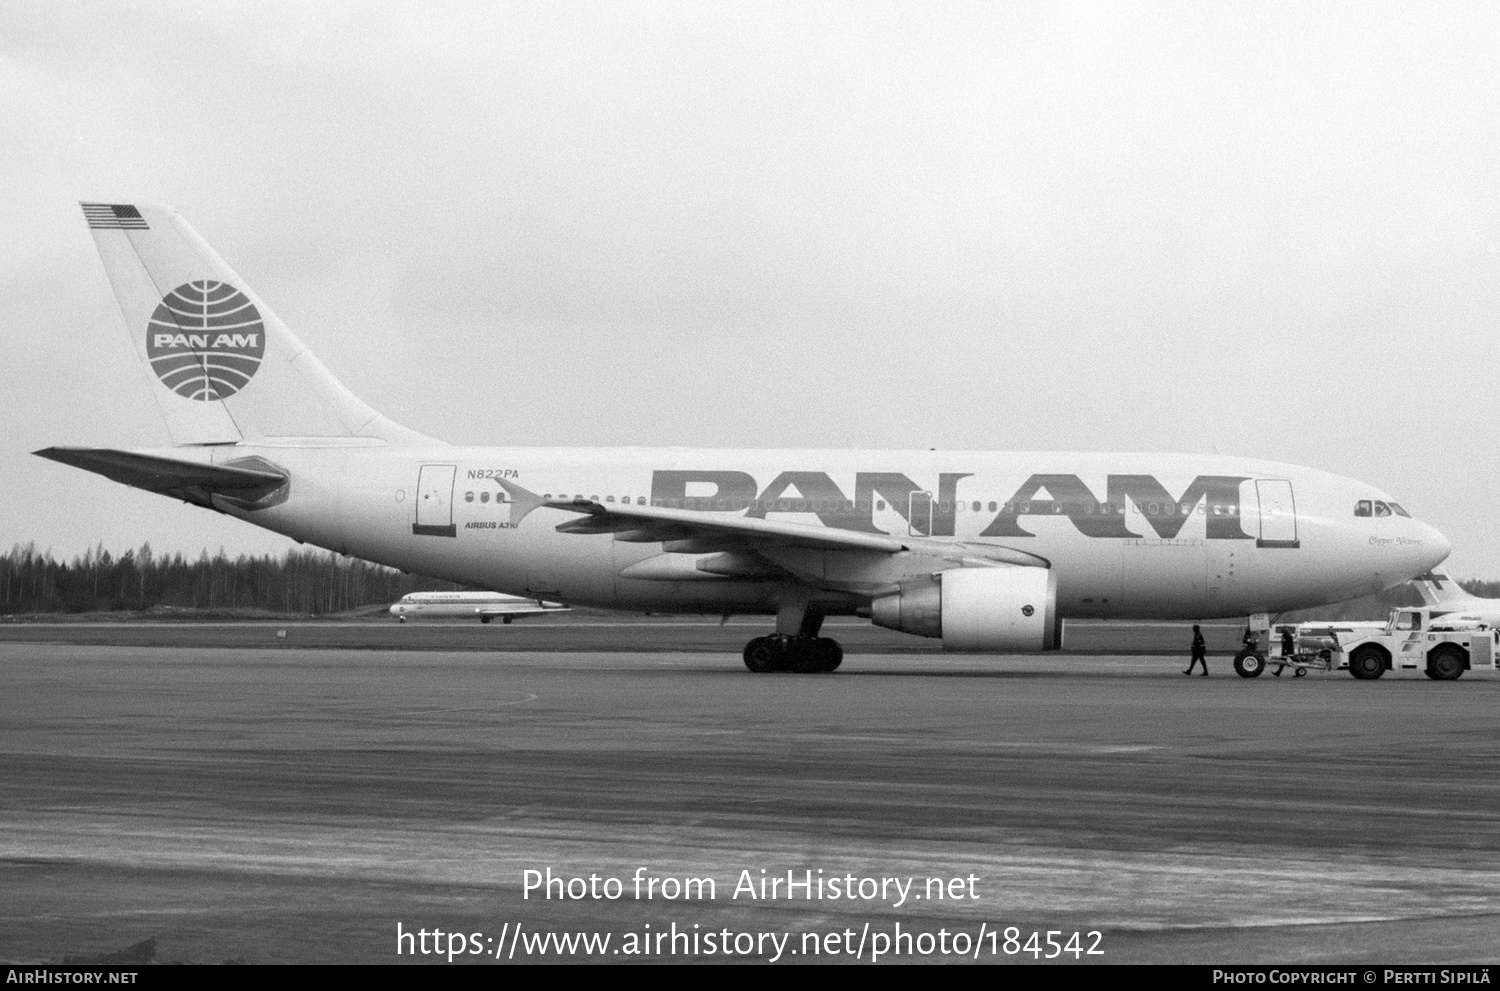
[1435, 547]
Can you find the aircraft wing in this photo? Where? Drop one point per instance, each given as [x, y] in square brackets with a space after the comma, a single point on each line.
[691, 531]
[649, 524]
[652, 524]
[191, 481]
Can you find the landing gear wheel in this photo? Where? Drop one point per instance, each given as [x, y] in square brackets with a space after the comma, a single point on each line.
[763, 655]
[1249, 665]
[484, 619]
[1447, 663]
[803, 656]
[814, 655]
[1367, 663]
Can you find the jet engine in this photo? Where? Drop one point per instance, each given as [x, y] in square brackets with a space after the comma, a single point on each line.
[991, 610]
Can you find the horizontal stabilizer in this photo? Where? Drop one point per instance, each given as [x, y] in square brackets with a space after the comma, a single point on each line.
[192, 481]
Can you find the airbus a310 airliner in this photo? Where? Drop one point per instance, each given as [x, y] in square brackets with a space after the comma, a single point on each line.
[987, 551]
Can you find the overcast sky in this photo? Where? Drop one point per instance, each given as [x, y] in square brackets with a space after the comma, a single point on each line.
[1270, 230]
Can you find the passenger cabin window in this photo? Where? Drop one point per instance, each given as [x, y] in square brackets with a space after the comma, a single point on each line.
[609, 498]
[1362, 508]
[484, 497]
[640, 500]
[468, 497]
[1396, 508]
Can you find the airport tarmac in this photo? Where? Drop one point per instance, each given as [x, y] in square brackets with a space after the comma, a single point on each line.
[586, 631]
[259, 799]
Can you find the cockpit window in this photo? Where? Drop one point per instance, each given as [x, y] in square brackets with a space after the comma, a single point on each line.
[1362, 508]
[1399, 511]
[1381, 509]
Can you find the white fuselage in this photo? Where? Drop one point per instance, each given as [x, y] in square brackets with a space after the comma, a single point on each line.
[1127, 535]
[1471, 614]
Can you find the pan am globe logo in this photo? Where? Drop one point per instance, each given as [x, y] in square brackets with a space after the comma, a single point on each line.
[205, 340]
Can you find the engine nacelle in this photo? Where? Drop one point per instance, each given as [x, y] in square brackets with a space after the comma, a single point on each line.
[980, 609]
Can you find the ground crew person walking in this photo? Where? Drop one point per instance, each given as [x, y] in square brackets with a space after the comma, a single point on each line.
[1288, 648]
[1200, 652]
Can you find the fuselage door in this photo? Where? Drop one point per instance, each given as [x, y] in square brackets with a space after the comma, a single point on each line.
[435, 502]
[919, 514]
[1278, 513]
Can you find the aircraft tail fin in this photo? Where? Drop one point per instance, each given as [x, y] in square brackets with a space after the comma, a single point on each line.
[1437, 588]
[223, 368]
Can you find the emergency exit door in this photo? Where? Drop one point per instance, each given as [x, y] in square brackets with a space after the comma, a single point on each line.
[435, 502]
[1278, 513]
[919, 514]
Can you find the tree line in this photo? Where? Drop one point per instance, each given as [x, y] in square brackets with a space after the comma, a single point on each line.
[303, 581]
[318, 582]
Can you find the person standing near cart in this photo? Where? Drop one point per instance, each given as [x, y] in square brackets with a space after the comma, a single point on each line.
[1200, 652]
[1288, 652]
[1288, 648]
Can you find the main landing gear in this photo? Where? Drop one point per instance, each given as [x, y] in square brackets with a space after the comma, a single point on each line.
[801, 655]
[795, 646]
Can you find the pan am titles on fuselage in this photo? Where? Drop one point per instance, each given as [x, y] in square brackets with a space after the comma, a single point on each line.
[985, 551]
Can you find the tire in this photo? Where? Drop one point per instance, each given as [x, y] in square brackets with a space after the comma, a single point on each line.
[1249, 664]
[484, 619]
[1367, 663]
[803, 656]
[830, 654]
[1447, 662]
[763, 655]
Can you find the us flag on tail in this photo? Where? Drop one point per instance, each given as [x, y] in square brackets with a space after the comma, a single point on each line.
[113, 216]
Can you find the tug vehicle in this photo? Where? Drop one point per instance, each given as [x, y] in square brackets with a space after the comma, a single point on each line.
[1412, 639]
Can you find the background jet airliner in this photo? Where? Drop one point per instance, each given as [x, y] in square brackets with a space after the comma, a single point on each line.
[987, 551]
[1454, 609]
[470, 605]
